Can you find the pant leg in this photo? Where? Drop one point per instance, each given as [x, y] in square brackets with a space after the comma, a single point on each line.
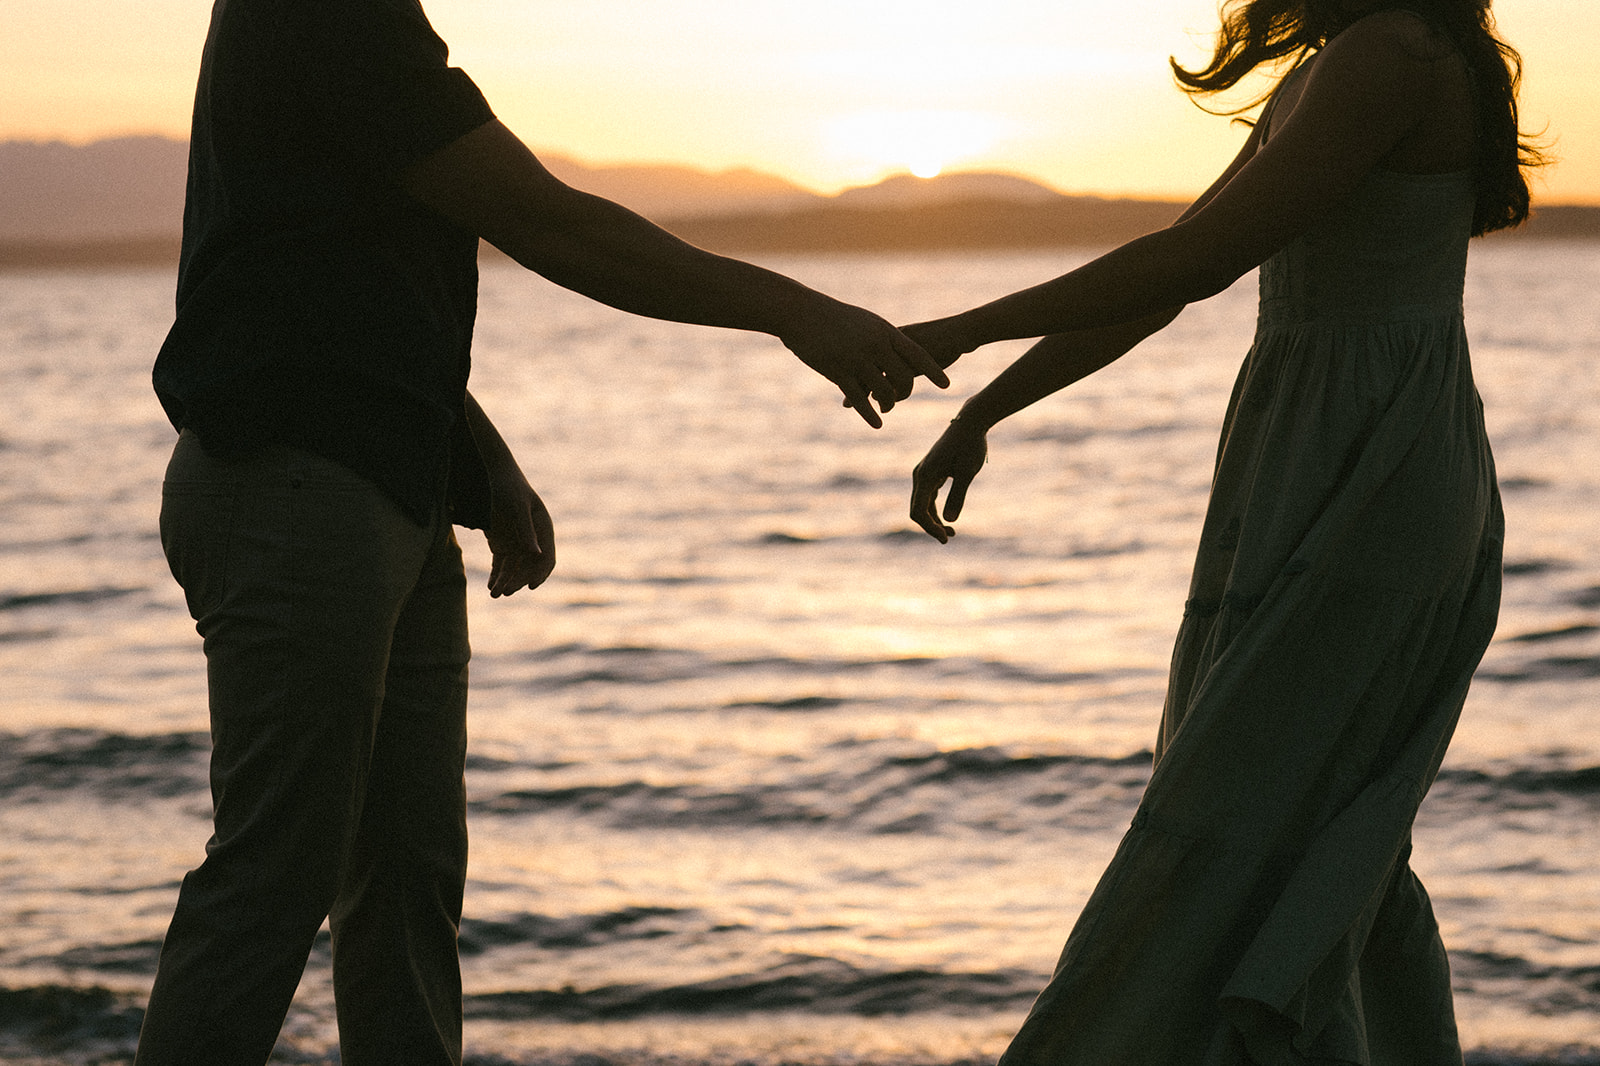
[396, 972]
[296, 572]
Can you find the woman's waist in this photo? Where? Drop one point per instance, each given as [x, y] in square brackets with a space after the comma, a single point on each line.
[1373, 310]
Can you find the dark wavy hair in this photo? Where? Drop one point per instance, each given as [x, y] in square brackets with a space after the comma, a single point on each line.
[1257, 32]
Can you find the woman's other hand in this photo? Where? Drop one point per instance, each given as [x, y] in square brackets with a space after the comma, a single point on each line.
[956, 457]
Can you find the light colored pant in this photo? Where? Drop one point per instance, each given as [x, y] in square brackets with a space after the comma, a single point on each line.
[336, 652]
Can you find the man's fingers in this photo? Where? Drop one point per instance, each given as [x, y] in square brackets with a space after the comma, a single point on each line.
[859, 396]
[863, 407]
[885, 394]
[920, 362]
[900, 377]
[526, 571]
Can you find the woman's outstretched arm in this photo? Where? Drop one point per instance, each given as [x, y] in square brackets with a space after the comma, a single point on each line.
[1364, 96]
[1369, 88]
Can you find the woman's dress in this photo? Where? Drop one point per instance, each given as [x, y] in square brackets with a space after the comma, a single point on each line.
[1261, 908]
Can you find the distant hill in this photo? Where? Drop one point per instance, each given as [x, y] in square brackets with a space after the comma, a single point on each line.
[128, 188]
[664, 191]
[970, 223]
[1577, 222]
[121, 201]
[905, 191]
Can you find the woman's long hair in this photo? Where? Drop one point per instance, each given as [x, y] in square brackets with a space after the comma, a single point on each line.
[1257, 32]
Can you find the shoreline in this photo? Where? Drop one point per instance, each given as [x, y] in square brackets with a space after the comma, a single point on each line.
[961, 226]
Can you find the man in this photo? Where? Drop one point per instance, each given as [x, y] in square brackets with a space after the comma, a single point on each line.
[341, 174]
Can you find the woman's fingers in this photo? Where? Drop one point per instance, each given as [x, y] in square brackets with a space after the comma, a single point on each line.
[925, 506]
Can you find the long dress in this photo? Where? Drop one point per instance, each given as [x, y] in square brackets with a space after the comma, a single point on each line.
[1261, 908]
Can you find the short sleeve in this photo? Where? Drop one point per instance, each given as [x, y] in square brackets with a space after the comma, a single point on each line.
[378, 85]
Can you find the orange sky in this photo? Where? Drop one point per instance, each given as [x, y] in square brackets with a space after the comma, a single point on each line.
[828, 93]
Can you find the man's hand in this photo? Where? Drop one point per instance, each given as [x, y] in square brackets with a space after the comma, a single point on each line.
[522, 539]
[956, 457]
[862, 354]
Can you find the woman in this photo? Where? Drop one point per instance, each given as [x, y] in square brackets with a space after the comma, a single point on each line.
[1261, 908]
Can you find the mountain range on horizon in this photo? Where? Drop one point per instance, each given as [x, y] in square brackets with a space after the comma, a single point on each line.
[132, 187]
[123, 198]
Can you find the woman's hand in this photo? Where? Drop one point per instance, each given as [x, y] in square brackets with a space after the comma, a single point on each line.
[956, 457]
[941, 338]
[522, 539]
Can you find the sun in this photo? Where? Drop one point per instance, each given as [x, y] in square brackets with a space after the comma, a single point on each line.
[923, 142]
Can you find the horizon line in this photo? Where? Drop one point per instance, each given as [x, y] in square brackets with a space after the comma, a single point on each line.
[589, 163]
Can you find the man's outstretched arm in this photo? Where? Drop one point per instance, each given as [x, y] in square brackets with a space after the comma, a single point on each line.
[489, 182]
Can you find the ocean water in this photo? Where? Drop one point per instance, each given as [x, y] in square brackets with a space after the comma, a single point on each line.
[763, 775]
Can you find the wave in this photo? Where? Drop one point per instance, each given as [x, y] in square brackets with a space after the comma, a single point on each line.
[982, 789]
[979, 789]
[1579, 782]
[1541, 989]
[480, 936]
[134, 957]
[800, 983]
[103, 763]
[857, 787]
[797, 703]
[1539, 636]
[867, 786]
[568, 665]
[87, 1022]
[1547, 668]
[74, 1025]
[66, 597]
[19, 636]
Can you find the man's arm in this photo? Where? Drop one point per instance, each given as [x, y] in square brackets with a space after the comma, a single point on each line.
[489, 182]
[522, 539]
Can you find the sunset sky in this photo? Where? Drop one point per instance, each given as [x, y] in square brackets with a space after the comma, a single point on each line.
[827, 93]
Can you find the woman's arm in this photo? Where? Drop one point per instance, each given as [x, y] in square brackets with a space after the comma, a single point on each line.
[1049, 366]
[1367, 90]
[521, 536]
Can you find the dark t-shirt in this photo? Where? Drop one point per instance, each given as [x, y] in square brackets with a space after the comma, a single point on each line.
[319, 306]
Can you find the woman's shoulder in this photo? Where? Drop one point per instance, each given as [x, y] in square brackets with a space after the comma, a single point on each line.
[1395, 54]
[1397, 61]
[1397, 34]
[1390, 55]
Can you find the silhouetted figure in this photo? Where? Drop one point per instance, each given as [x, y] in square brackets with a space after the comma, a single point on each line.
[341, 175]
[1261, 908]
